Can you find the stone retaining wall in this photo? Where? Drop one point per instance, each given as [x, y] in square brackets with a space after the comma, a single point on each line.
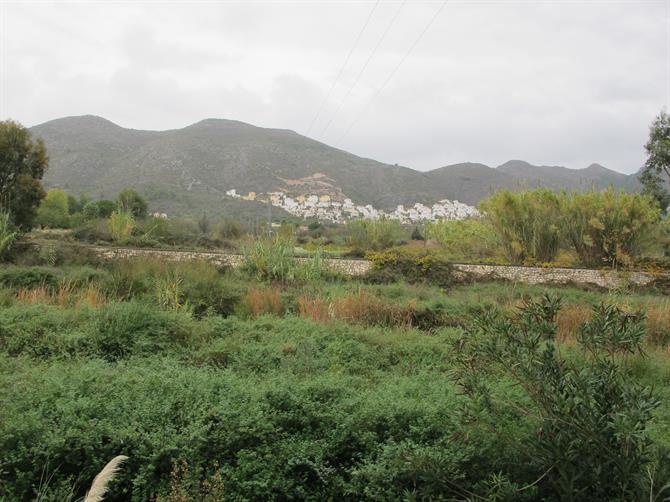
[538, 275]
[529, 275]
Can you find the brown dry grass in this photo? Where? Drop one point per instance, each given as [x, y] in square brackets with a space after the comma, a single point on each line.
[658, 324]
[39, 294]
[356, 308]
[65, 295]
[264, 300]
[315, 308]
[569, 318]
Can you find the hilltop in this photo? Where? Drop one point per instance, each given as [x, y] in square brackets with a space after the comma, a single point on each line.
[189, 170]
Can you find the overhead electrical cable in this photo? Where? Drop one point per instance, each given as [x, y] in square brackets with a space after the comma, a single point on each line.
[344, 65]
[367, 62]
[395, 70]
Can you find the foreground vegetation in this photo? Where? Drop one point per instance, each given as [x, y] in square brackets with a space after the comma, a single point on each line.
[239, 385]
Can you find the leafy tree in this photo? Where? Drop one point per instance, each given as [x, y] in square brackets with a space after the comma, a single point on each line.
[91, 210]
[130, 201]
[76, 205]
[22, 165]
[657, 167]
[54, 211]
[106, 207]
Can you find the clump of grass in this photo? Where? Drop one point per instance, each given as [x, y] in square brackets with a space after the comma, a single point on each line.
[67, 294]
[93, 295]
[271, 259]
[570, 318]
[169, 292]
[40, 294]
[360, 307]
[363, 308]
[658, 324]
[315, 308]
[263, 300]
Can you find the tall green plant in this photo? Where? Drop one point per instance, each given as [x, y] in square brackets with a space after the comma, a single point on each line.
[121, 225]
[609, 228]
[271, 258]
[527, 223]
[8, 234]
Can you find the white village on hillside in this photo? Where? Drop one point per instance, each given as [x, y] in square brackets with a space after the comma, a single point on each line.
[325, 208]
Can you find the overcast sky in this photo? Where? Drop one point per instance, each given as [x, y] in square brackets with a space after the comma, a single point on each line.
[556, 83]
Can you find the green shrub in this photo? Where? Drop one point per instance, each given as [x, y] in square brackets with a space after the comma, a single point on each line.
[590, 420]
[93, 231]
[131, 328]
[413, 267]
[28, 277]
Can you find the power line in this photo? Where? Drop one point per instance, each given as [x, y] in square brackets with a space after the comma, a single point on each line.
[367, 62]
[339, 75]
[395, 70]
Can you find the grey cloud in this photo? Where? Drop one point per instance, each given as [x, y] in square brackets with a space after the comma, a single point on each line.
[553, 83]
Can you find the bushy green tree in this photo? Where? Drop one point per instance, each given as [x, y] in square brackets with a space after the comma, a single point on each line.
[130, 201]
[527, 223]
[22, 165]
[656, 172]
[54, 210]
[106, 207]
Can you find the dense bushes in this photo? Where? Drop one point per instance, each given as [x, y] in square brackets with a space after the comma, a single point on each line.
[396, 265]
[314, 389]
[527, 223]
[473, 239]
[609, 228]
[604, 228]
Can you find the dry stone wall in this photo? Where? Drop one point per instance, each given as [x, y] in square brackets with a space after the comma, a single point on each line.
[529, 275]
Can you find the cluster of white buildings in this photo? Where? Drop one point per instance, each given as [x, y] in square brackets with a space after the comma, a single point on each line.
[325, 208]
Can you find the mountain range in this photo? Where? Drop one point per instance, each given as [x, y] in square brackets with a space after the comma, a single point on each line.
[189, 170]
